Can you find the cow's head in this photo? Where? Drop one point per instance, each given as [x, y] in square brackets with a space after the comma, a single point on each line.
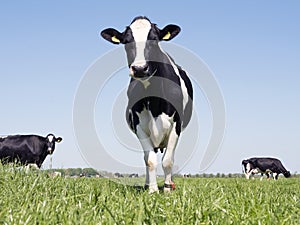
[50, 142]
[244, 162]
[286, 174]
[141, 40]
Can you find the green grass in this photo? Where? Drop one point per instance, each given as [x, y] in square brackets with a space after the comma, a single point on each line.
[35, 198]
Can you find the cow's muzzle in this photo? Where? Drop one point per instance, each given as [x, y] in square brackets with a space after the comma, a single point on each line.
[139, 71]
[50, 150]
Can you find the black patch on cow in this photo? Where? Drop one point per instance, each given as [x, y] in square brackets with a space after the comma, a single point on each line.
[140, 18]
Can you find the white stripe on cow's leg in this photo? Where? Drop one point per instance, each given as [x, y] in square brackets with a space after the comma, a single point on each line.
[150, 160]
[247, 175]
[275, 176]
[151, 164]
[248, 171]
[168, 158]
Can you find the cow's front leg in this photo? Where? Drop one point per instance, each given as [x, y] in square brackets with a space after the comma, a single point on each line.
[151, 165]
[247, 175]
[248, 171]
[150, 158]
[275, 176]
[168, 160]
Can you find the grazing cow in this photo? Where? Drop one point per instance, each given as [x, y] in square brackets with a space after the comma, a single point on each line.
[118, 175]
[159, 94]
[27, 149]
[264, 166]
[133, 175]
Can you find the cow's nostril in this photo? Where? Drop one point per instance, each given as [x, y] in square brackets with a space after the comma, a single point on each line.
[146, 67]
[135, 68]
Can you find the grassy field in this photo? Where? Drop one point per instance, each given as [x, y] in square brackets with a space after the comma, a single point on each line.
[36, 198]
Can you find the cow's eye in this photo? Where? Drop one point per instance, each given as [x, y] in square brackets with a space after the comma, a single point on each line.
[128, 38]
[126, 41]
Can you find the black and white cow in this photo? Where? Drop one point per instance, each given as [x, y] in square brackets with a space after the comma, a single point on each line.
[27, 149]
[159, 94]
[264, 166]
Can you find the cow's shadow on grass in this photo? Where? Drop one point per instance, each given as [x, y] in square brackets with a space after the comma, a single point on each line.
[118, 183]
[140, 188]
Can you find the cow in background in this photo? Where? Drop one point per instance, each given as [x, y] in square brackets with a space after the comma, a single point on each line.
[27, 149]
[264, 166]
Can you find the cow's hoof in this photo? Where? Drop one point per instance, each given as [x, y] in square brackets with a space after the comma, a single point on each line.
[169, 187]
[152, 189]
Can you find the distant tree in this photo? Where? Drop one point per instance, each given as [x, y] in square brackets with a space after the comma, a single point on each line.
[77, 171]
[89, 172]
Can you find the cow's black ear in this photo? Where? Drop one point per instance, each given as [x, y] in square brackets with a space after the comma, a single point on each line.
[59, 139]
[112, 36]
[169, 32]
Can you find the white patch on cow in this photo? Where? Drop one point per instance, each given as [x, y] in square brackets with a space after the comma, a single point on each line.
[268, 171]
[168, 158]
[184, 92]
[149, 157]
[50, 138]
[157, 129]
[248, 171]
[256, 170]
[151, 166]
[182, 84]
[248, 167]
[247, 175]
[140, 30]
[274, 176]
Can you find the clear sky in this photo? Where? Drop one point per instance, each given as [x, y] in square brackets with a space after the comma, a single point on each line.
[252, 48]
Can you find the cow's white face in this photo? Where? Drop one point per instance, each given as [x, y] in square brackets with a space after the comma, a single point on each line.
[51, 139]
[140, 31]
[141, 40]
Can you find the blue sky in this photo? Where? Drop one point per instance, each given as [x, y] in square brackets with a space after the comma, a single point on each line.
[252, 47]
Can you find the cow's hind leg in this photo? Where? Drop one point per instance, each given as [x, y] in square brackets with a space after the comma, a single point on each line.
[168, 159]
